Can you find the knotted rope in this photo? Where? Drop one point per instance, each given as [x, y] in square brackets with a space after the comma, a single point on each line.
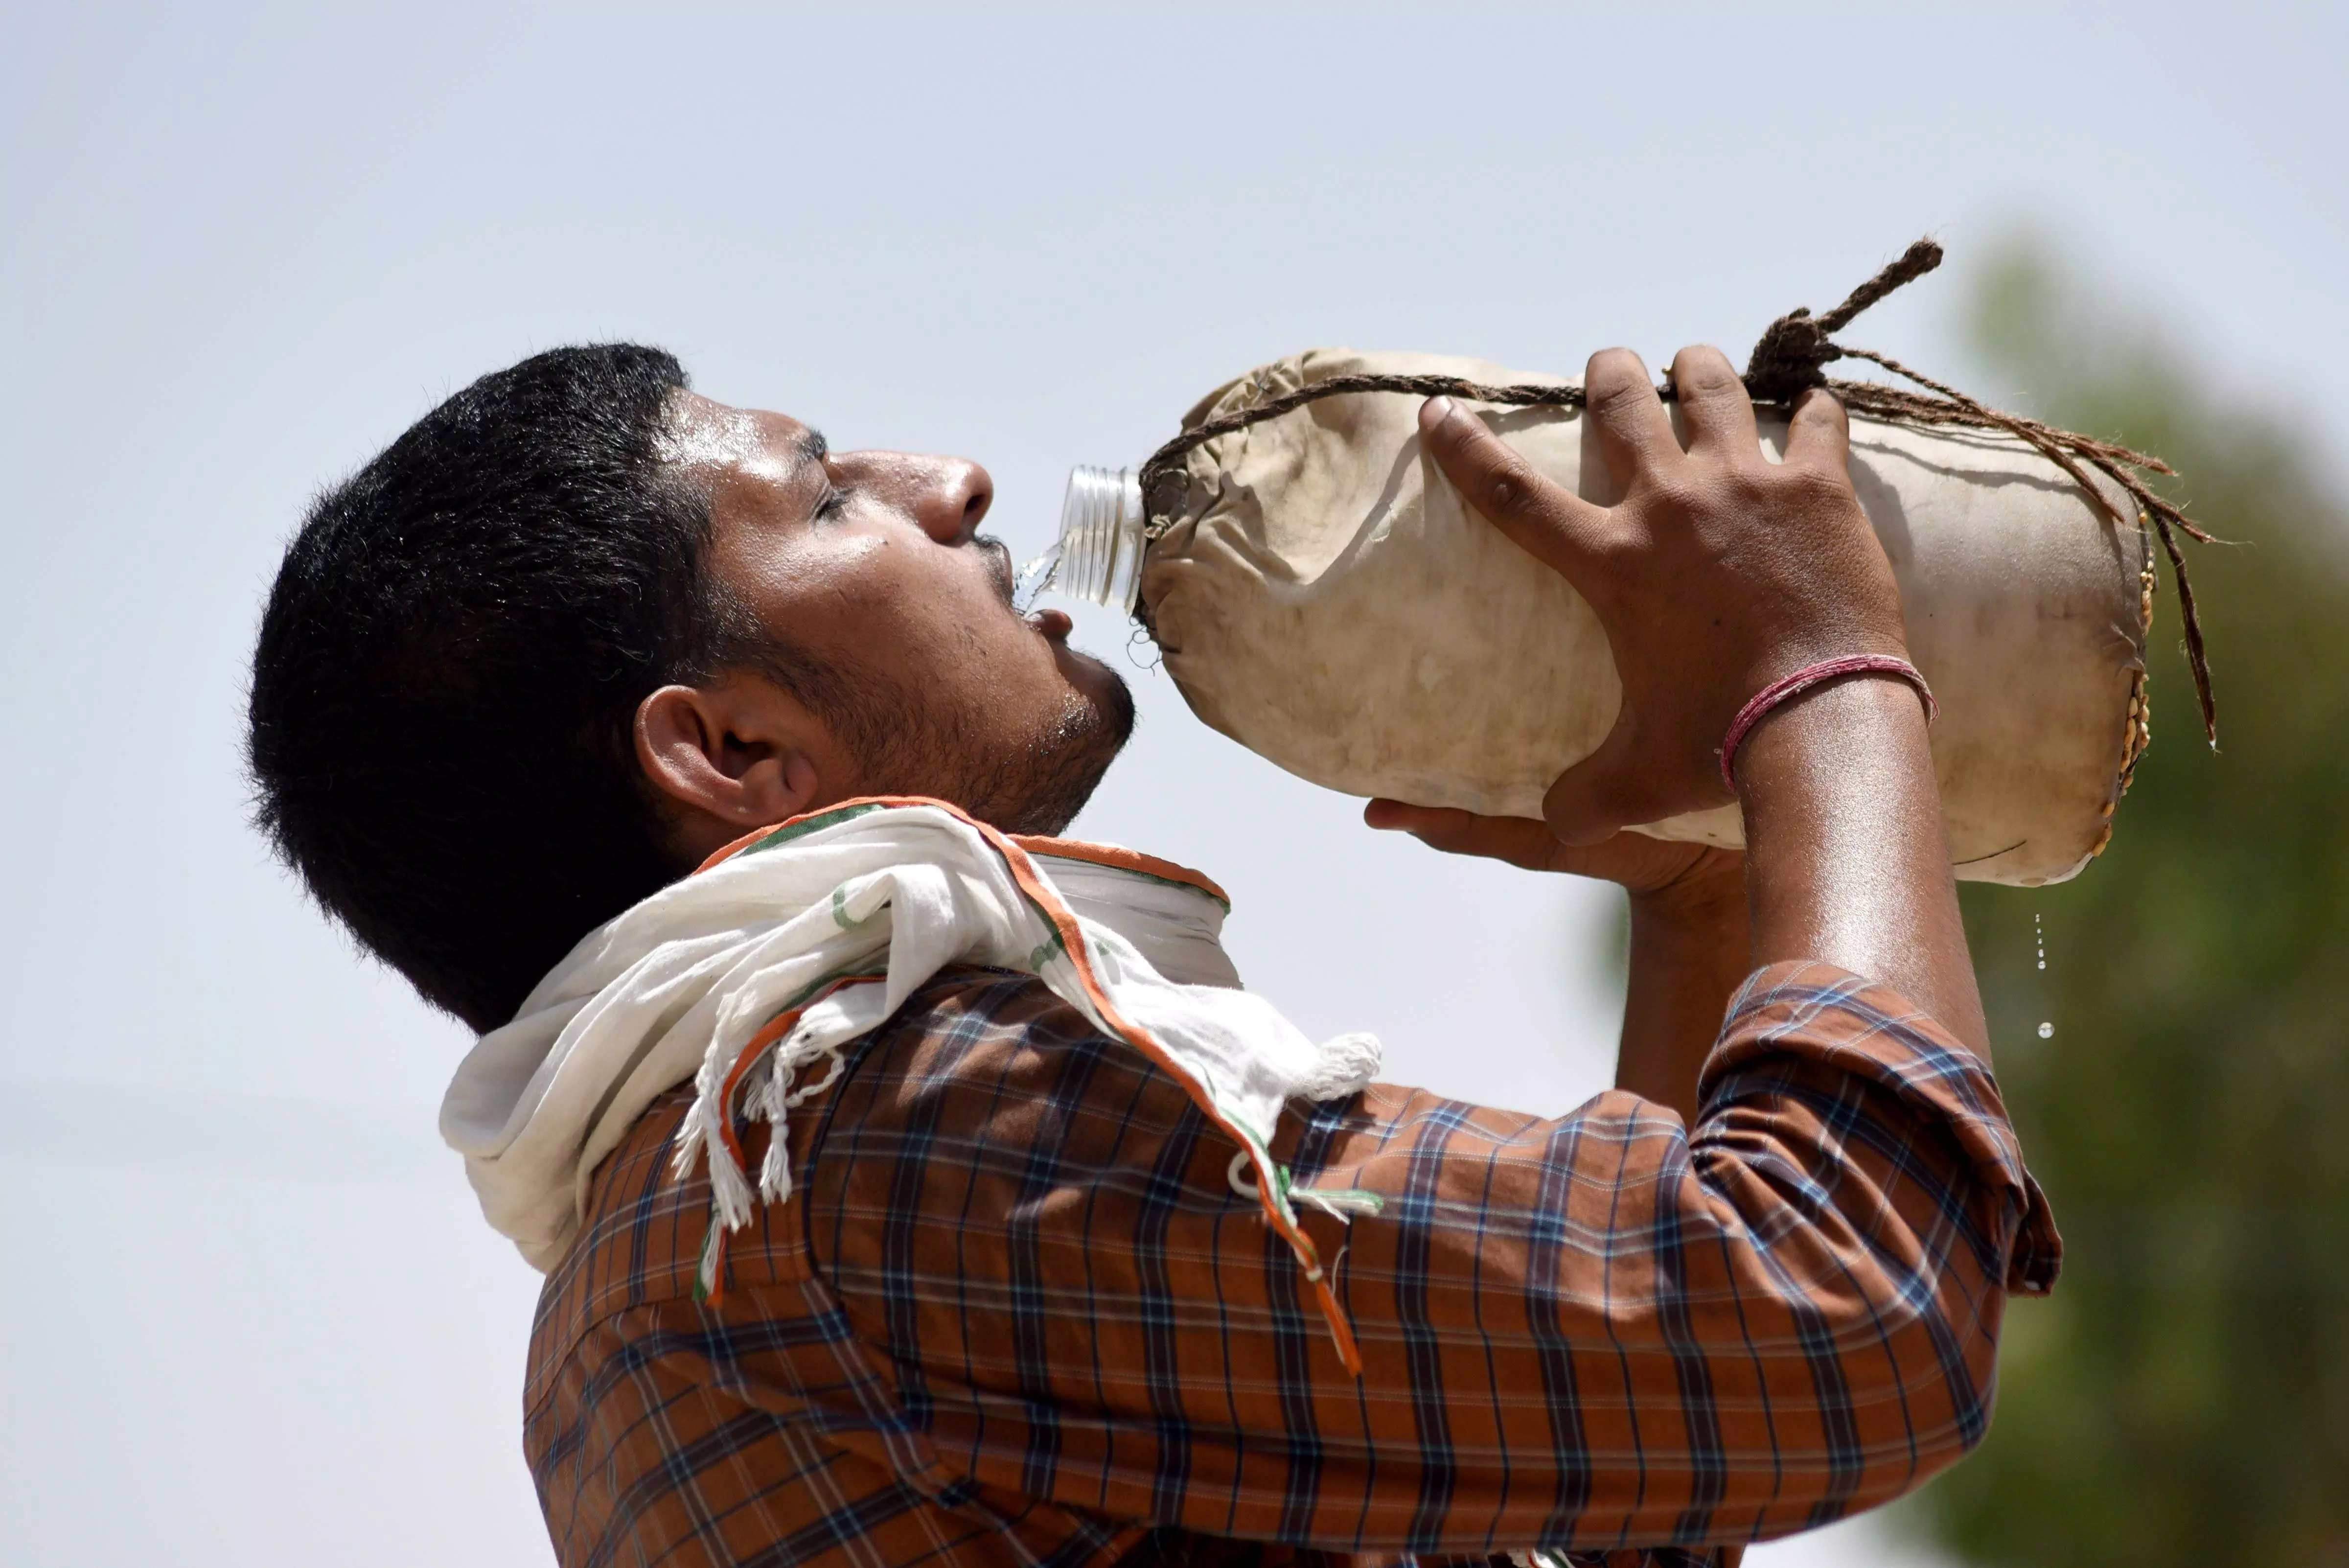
[1789, 360]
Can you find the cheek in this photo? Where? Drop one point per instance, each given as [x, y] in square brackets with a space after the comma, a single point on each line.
[934, 623]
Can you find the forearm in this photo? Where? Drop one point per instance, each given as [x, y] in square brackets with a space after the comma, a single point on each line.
[1846, 858]
[1688, 953]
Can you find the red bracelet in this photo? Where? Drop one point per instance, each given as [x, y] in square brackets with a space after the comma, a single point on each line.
[1758, 706]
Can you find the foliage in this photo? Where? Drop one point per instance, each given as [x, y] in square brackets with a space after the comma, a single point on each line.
[2184, 1396]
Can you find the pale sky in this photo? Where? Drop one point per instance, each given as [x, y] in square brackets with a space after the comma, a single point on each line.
[254, 1316]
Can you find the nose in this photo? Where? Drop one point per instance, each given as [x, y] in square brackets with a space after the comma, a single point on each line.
[948, 497]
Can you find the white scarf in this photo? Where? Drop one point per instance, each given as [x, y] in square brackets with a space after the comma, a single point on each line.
[790, 945]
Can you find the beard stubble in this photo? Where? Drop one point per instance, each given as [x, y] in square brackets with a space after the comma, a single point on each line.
[1029, 774]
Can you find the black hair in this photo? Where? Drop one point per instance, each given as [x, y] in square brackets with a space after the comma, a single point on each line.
[448, 671]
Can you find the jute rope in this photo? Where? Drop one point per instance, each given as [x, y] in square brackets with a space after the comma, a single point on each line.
[1788, 361]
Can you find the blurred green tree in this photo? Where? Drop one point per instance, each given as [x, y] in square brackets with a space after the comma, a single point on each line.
[2184, 1396]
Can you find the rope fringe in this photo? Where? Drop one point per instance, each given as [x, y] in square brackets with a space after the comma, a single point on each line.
[1788, 360]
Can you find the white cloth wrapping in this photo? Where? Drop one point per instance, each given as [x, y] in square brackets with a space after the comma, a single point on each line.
[1326, 599]
[783, 952]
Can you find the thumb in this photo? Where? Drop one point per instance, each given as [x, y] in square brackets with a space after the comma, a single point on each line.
[1609, 790]
[1519, 840]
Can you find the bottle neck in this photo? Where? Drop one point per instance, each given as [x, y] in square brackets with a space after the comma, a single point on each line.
[1100, 548]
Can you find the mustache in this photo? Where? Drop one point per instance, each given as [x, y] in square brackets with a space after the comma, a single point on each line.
[998, 557]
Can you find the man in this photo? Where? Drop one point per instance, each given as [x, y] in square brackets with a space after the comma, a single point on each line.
[580, 630]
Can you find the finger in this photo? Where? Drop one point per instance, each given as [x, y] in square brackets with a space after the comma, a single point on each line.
[1518, 840]
[1714, 408]
[1819, 434]
[1614, 787]
[1547, 519]
[1634, 860]
[1634, 431]
[1396, 815]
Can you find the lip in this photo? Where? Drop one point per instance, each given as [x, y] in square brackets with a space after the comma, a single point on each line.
[1054, 624]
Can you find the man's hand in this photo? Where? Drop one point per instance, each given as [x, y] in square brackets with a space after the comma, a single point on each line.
[1640, 863]
[1718, 572]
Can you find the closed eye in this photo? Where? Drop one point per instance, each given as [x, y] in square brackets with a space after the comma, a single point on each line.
[814, 449]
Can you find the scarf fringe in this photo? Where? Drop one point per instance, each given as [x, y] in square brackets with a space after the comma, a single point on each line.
[708, 1131]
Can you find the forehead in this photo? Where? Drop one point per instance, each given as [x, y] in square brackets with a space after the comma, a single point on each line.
[722, 439]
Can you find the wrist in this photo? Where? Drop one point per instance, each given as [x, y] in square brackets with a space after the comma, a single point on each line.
[1709, 891]
[1828, 729]
[1809, 677]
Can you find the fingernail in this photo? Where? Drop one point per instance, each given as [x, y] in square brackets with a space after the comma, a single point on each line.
[1435, 411]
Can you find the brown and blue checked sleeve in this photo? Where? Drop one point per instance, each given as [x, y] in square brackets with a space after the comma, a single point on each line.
[1018, 1313]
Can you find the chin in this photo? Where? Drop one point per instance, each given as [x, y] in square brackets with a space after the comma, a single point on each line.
[1111, 700]
[1045, 789]
[1103, 689]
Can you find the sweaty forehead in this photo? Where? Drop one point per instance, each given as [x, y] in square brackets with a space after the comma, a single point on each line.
[703, 433]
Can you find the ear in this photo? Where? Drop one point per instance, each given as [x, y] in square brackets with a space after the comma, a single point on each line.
[729, 757]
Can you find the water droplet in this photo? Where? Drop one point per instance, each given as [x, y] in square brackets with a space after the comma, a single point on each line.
[2046, 1031]
[2043, 964]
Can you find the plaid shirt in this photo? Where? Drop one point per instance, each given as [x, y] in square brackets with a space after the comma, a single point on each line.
[1016, 1314]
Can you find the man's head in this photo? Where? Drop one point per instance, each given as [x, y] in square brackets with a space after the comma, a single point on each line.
[579, 627]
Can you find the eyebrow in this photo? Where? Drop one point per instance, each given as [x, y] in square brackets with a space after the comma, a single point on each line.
[811, 447]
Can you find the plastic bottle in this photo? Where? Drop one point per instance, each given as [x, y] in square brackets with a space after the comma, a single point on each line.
[1098, 557]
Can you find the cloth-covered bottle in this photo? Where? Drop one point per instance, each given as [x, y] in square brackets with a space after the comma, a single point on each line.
[1321, 594]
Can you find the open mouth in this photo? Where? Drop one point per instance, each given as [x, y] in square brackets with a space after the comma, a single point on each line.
[1054, 624]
